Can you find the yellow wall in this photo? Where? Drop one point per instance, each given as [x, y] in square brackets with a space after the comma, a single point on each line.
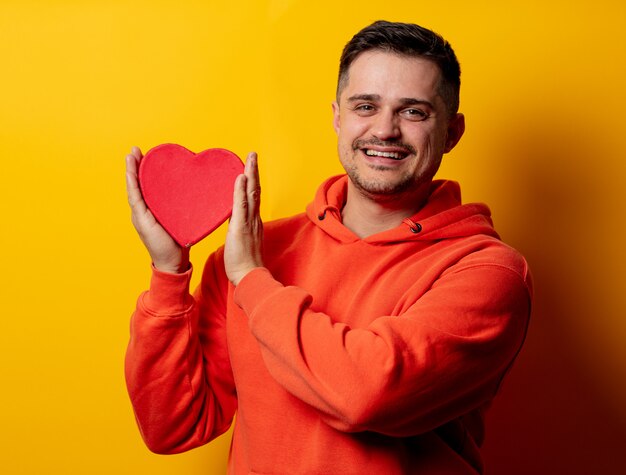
[82, 81]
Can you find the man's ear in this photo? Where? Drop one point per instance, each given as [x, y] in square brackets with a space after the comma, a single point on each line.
[456, 127]
[336, 117]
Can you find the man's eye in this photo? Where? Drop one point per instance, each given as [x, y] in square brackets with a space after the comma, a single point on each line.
[364, 108]
[416, 114]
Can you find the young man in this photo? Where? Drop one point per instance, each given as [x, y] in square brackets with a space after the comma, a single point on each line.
[366, 335]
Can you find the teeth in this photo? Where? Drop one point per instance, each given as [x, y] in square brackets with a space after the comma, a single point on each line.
[374, 153]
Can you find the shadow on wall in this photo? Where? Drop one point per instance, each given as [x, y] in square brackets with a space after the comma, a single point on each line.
[554, 414]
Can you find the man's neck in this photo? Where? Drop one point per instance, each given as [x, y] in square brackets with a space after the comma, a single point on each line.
[366, 215]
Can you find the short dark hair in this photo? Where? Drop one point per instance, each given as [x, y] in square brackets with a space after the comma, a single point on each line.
[410, 40]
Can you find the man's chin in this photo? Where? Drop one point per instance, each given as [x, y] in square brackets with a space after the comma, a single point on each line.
[379, 187]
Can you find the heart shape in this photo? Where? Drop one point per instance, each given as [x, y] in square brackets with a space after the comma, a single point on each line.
[189, 194]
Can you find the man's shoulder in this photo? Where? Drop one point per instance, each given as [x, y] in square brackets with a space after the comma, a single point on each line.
[491, 251]
[290, 224]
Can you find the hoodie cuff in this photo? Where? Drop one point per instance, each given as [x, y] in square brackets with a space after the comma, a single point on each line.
[256, 286]
[168, 293]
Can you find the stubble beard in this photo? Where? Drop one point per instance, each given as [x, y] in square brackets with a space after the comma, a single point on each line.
[374, 187]
[379, 187]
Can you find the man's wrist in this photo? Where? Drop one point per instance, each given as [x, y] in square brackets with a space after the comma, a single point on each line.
[239, 276]
[170, 269]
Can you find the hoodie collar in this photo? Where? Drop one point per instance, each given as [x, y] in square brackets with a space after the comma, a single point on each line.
[442, 217]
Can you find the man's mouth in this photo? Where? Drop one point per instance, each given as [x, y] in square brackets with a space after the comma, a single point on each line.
[396, 155]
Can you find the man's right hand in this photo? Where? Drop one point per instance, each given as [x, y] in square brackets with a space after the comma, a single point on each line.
[166, 254]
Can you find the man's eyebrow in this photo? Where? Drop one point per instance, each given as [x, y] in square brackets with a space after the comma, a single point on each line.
[364, 97]
[405, 101]
[409, 101]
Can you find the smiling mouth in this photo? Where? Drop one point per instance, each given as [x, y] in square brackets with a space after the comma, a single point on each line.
[397, 155]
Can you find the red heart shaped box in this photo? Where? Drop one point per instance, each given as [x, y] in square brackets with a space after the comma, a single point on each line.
[189, 194]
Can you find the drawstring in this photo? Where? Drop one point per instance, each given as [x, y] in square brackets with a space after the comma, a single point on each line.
[332, 208]
[413, 226]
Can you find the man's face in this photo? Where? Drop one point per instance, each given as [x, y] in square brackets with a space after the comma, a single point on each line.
[392, 124]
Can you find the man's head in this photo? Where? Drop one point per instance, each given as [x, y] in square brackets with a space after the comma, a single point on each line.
[409, 40]
[396, 110]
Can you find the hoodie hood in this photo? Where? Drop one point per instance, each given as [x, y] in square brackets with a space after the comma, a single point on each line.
[442, 217]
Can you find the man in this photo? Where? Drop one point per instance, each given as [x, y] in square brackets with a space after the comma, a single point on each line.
[366, 335]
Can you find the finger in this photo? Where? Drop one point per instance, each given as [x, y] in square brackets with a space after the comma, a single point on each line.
[136, 152]
[131, 164]
[239, 215]
[135, 200]
[253, 188]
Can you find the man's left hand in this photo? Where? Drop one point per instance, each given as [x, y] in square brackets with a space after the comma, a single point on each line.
[244, 240]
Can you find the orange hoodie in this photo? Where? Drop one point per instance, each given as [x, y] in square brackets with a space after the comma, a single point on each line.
[343, 355]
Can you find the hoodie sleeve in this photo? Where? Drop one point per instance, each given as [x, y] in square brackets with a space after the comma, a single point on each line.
[403, 375]
[177, 367]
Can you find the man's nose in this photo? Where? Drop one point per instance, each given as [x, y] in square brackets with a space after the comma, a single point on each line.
[386, 125]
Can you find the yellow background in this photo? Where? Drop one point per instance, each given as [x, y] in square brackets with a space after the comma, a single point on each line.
[83, 81]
